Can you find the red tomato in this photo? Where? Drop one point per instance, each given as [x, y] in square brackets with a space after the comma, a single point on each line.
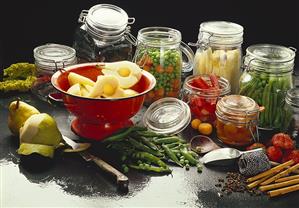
[274, 153]
[283, 141]
[294, 155]
[214, 81]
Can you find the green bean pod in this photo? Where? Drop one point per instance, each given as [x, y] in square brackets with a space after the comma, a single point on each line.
[143, 147]
[150, 168]
[171, 155]
[149, 157]
[168, 140]
[188, 156]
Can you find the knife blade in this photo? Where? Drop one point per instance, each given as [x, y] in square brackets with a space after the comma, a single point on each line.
[122, 181]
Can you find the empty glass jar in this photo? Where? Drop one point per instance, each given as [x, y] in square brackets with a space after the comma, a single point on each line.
[219, 51]
[103, 35]
[159, 51]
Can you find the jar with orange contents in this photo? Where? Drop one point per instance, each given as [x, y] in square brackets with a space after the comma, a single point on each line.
[237, 119]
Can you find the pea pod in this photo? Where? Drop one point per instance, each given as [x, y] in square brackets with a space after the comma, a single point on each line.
[143, 147]
[122, 134]
[149, 143]
[171, 155]
[150, 168]
[149, 157]
[188, 156]
[167, 140]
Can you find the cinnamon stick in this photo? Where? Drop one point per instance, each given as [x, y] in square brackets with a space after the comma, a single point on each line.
[283, 191]
[288, 178]
[279, 185]
[276, 163]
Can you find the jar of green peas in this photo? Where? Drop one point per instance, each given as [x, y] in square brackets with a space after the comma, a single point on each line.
[161, 52]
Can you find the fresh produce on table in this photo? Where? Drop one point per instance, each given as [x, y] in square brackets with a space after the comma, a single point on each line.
[166, 66]
[19, 112]
[224, 63]
[115, 82]
[203, 128]
[282, 148]
[18, 77]
[268, 91]
[275, 181]
[145, 150]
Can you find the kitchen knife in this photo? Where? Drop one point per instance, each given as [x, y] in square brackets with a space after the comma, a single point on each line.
[121, 180]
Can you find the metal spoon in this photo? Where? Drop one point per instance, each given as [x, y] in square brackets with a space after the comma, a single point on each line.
[224, 156]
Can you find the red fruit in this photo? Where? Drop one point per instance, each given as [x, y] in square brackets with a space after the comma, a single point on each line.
[283, 141]
[286, 156]
[200, 83]
[214, 81]
[274, 153]
[294, 155]
[255, 146]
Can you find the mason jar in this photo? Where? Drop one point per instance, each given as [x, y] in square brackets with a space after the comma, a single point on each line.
[266, 78]
[291, 113]
[237, 119]
[48, 59]
[103, 35]
[219, 51]
[161, 52]
[202, 101]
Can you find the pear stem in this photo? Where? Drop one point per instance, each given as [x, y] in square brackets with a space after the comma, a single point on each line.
[18, 103]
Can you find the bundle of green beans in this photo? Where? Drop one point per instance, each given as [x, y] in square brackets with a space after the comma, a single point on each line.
[145, 150]
[268, 91]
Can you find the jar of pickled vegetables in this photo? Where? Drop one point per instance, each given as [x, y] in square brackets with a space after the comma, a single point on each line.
[237, 119]
[266, 78]
[160, 51]
[291, 115]
[219, 51]
[202, 92]
[103, 35]
[48, 59]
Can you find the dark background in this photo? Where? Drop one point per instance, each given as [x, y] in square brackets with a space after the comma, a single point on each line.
[27, 24]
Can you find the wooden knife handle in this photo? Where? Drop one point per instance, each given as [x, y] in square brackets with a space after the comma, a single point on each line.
[121, 179]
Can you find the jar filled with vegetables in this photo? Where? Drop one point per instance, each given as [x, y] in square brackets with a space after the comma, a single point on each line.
[219, 51]
[103, 35]
[291, 115]
[266, 78]
[202, 92]
[159, 51]
[48, 59]
[237, 119]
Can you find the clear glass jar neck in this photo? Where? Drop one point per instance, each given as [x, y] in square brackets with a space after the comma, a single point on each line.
[159, 37]
[224, 87]
[292, 97]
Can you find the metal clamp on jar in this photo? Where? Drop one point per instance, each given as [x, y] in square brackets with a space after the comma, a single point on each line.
[219, 51]
[237, 120]
[104, 35]
[160, 51]
[48, 59]
[266, 78]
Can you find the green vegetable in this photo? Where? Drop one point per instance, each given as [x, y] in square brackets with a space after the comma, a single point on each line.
[199, 168]
[188, 156]
[145, 148]
[150, 168]
[167, 140]
[149, 157]
[171, 155]
[18, 77]
[149, 143]
[122, 134]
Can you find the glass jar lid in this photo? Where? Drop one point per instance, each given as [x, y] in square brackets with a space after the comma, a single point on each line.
[237, 108]
[159, 36]
[51, 56]
[269, 58]
[106, 20]
[167, 116]
[292, 97]
[221, 32]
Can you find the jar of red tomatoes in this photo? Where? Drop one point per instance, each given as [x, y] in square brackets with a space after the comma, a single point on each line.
[237, 119]
[202, 92]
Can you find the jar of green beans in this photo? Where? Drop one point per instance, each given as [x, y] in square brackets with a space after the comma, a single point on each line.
[266, 78]
[160, 51]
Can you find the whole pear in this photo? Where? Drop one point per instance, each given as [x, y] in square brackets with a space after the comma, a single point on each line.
[40, 135]
[19, 112]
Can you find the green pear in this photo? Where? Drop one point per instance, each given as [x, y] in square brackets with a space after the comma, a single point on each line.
[19, 112]
[40, 135]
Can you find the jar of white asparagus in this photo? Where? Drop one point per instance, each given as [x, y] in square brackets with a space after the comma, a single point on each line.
[219, 51]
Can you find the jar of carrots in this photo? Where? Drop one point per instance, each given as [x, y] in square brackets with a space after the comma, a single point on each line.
[159, 51]
[202, 92]
[237, 118]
